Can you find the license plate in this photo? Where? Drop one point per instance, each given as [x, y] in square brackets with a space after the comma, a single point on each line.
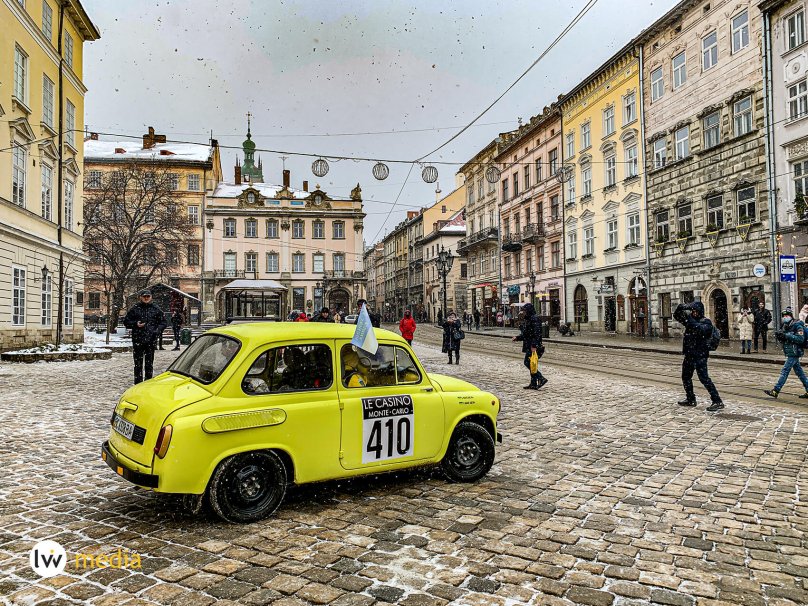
[123, 427]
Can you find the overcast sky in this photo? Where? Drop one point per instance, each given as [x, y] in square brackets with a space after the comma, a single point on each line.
[309, 68]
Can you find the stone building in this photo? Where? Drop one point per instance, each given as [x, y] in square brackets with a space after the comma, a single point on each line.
[705, 160]
[445, 235]
[415, 245]
[786, 64]
[42, 116]
[373, 260]
[531, 216]
[604, 207]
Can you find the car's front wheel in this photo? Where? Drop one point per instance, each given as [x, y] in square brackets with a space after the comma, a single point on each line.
[248, 487]
[470, 454]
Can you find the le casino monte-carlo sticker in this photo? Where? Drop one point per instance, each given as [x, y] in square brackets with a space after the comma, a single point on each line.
[388, 428]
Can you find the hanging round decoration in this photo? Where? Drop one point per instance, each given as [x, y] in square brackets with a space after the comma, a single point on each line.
[319, 167]
[565, 173]
[381, 171]
[492, 174]
[429, 174]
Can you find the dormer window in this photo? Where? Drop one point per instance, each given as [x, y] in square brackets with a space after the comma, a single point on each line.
[251, 198]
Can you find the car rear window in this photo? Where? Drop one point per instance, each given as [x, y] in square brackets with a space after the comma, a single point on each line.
[206, 358]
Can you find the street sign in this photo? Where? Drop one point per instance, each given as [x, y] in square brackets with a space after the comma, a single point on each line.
[759, 270]
[788, 268]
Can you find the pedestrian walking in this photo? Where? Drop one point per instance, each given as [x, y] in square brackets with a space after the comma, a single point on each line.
[147, 322]
[530, 334]
[440, 317]
[407, 326]
[696, 350]
[477, 320]
[746, 329]
[792, 338]
[452, 335]
[763, 318]
[177, 320]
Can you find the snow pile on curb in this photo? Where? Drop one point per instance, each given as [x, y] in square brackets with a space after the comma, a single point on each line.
[64, 348]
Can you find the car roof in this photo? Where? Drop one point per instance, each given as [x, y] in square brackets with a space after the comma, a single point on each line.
[257, 333]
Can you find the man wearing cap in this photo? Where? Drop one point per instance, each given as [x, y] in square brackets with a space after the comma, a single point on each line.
[696, 350]
[323, 316]
[147, 322]
[792, 338]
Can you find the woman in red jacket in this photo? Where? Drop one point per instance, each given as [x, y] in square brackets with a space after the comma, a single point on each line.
[407, 326]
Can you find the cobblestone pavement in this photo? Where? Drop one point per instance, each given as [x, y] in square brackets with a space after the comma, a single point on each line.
[602, 493]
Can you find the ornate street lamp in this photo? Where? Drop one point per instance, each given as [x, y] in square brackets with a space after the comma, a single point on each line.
[533, 288]
[444, 263]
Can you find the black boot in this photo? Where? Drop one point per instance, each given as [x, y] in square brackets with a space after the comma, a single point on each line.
[687, 402]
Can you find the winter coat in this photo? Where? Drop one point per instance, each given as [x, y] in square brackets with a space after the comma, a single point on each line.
[321, 318]
[177, 319]
[375, 319]
[476, 315]
[763, 318]
[154, 322]
[804, 313]
[793, 337]
[746, 325]
[530, 333]
[302, 317]
[407, 327]
[696, 340]
[449, 342]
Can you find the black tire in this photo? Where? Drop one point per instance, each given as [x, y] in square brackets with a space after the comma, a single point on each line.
[470, 453]
[247, 487]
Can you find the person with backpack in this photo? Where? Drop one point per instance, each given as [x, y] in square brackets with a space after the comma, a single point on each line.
[793, 339]
[700, 338]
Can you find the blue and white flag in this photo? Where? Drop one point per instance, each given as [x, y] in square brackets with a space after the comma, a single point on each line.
[364, 337]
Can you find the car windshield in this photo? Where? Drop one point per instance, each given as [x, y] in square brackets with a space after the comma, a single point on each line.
[206, 358]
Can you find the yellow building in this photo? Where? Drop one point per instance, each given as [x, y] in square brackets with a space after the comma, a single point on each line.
[605, 248]
[42, 117]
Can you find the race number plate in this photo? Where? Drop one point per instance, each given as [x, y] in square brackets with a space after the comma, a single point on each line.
[388, 428]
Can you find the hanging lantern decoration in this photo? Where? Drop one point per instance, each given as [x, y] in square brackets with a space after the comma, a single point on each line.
[381, 171]
[319, 167]
[429, 174]
[492, 174]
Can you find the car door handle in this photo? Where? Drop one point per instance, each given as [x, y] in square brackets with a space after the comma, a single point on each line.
[427, 389]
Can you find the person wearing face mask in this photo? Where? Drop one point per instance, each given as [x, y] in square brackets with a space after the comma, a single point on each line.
[792, 337]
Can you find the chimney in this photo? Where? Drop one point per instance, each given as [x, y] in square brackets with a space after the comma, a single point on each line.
[149, 139]
[214, 143]
[238, 173]
[286, 174]
[305, 186]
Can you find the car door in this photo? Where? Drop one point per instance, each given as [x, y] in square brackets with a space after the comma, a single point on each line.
[391, 413]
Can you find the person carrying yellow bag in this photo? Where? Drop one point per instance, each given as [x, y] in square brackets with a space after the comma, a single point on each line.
[530, 336]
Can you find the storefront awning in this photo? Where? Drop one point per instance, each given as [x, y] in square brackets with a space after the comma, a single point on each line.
[255, 285]
[160, 285]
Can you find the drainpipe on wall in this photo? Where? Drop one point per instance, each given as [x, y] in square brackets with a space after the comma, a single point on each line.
[645, 195]
[563, 244]
[60, 178]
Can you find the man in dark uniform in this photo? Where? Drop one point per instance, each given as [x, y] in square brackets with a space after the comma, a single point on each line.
[147, 322]
[696, 349]
[375, 320]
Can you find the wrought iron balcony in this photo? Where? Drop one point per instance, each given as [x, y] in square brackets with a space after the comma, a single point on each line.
[228, 274]
[512, 242]
[489, 233]
[344, 274]
[533, 232]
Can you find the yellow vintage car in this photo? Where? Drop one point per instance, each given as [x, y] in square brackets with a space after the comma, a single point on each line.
[249, 408]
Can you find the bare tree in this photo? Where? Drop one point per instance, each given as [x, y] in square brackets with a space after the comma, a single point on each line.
[134, 227]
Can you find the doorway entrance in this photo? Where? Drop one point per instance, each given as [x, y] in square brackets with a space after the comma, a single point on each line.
[638, 305]
[610, 315]
[581, 306]
[718, 302]
[338, 300]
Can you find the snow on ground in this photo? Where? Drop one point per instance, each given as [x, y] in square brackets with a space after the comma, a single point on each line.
[64, 347]
[117, 338]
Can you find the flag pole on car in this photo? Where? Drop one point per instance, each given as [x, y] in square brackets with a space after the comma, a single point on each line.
[364, 337]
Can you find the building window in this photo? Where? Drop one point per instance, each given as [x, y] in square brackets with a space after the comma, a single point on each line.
[69, 49]
[298, 263]
[526, 173]
[251, 262]
[570, 193]
[230, 264]
[47, 191]
[229, 228]
[193, 254]
[298, 298]
[631, 161]
[68, 218]
[173, 181]
[250, 228]
[18, 297]
[553, 158]
[67, 305]
[339, 230]
[711, 125]
[570, 145]
[480, 188]
[339, 264]
[555, 254]
[272, 228]
[515, 184]
[538, 170]
[801, 178]
[193, 215]
[611, 169]
[318, 264]
[742, 111]
[94, 300]
[555, 209]
[679, 70]
[505, 196]
[608, 121]
[539, 259]
[193, 182]
[508, 273]
[797, 100]
[47, 100]
[47, 20]
[795, 30]
[572, 244]
[20, 74]
[685, 221]
[657, 84]
[633, 229]
[470, 196]
[70, 123]
[586, 178]
[47, 300]
[715, 213]
[682, 138]
[298, 231]
[629, 108]
[318, 230]
[611, 234]
[663, 229]
[94, 179]
[709, 51]
[740, 32]
[589, 241]
[660, 153]
[747, 212]
[272, 263]
[586, 135]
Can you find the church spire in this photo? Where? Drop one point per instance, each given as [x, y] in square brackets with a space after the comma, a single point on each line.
[250, 170]
[249, 136]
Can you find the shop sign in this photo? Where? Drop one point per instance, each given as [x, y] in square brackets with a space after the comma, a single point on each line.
[759, 270]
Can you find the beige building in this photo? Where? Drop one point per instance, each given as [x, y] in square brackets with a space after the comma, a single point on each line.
[42, 116]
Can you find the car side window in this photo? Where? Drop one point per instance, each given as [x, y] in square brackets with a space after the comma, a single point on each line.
[407, 372]
[362, 369]
[289, 368]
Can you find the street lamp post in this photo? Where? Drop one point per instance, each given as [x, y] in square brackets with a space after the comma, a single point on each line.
[533, 288]
[444, 261]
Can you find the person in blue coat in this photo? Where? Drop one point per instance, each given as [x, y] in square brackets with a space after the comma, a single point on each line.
[792, 338]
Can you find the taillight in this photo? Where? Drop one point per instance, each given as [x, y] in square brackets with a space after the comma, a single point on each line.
[163, 440]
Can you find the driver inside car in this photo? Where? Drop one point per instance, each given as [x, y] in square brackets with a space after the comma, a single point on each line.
[354, 372]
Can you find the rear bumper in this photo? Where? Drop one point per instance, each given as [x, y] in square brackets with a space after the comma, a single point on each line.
[141, 479]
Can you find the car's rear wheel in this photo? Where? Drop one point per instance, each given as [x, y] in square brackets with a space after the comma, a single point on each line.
[248, 487]
[470, 454]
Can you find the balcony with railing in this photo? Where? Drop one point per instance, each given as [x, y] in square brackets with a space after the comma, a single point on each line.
[533, 232]
[227, 274]
[512, 242]
[344, 274]
[478, 238]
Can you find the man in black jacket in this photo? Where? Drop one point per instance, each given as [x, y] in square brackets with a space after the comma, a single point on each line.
[324, 316]
[375, 320]
[530, 336]
[696, 349]
[763, 318]
[147, 322]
